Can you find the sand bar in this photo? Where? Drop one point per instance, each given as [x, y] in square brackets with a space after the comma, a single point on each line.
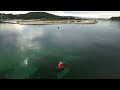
[34, 22]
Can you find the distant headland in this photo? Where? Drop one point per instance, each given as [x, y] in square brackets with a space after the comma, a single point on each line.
[115, 18]
[44, 18]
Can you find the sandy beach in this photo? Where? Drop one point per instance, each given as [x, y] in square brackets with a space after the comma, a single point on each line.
[35, 22]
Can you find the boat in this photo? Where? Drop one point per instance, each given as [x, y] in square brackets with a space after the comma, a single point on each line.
[60, 66]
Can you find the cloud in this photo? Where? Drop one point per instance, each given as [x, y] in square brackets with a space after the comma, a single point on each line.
[91, 14]
[14, 12]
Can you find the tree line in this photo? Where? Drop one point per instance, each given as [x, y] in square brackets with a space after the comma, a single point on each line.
[34, 15]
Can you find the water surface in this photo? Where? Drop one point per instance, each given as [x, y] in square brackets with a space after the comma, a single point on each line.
[89, 51]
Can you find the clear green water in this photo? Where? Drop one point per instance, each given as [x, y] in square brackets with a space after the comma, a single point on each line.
[88, 51]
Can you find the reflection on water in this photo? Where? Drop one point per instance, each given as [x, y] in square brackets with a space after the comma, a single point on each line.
[61, 74]
[33, 51]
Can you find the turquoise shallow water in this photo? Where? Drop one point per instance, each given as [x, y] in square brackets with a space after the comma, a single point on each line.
[88, 51]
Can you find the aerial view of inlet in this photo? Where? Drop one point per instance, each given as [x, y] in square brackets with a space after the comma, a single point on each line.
[59, 45]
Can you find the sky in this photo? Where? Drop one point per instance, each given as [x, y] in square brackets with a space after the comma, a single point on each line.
[88, 14]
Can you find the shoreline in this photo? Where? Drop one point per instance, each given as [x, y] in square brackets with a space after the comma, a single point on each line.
[49, 22]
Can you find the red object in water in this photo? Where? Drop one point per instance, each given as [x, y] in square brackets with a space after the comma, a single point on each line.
[60, 65]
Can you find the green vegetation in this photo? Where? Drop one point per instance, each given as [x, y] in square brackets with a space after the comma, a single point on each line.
[115, 18]
[34, 15]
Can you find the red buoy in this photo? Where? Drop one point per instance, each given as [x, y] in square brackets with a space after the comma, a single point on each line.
[60, 65]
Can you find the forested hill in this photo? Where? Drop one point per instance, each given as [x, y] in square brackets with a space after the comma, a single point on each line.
[33, 15]
[115, 18]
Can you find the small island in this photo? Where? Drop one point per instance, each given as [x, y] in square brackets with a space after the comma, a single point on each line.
[115, 18]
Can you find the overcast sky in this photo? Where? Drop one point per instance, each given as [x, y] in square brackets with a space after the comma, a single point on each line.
[91, 14]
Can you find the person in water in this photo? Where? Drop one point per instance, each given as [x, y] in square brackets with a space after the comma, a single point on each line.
[58, 27]
[60, 65]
